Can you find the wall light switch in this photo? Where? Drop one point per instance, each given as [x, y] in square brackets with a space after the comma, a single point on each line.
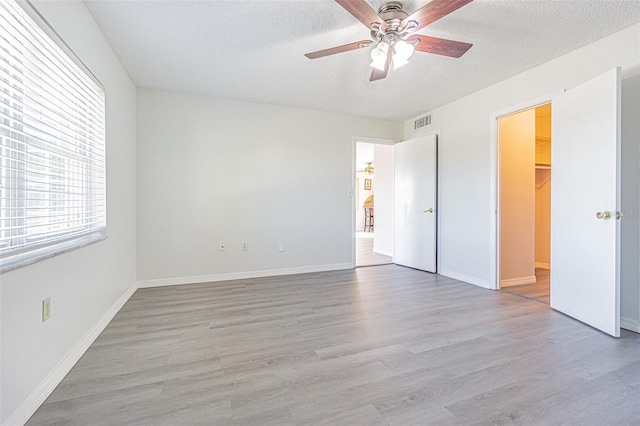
[280, 246]
[46, 309]
[221, 246]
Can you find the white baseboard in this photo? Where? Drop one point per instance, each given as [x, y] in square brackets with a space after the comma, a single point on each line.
[29, 406]
[196, 279]
[510, 282]
[630, 324]
[466, 278]
[542, 265]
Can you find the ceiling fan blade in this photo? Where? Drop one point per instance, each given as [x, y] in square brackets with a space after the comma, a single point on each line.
[376, 74]
[433, 11]
[363, 12]
[339, 49]
[440, 46]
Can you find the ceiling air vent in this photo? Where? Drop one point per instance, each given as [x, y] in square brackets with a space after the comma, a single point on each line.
[422, 122]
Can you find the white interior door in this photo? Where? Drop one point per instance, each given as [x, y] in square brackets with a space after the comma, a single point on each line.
[585, 188]
[415, 173]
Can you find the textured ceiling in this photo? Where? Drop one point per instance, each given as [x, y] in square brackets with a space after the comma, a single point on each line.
[253, 50]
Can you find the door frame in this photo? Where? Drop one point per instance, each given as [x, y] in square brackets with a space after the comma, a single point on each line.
[352, 191]
[494, 170]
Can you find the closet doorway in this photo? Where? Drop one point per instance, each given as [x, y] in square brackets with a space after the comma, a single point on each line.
[525, 203]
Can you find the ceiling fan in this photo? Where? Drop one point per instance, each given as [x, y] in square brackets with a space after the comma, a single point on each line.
[368, 170]
[393, 33]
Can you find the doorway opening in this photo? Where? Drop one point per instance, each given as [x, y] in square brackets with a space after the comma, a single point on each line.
[524, 220]
[373, 199]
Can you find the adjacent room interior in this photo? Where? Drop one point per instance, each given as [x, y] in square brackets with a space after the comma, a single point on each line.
[525, 203]
[373, 204]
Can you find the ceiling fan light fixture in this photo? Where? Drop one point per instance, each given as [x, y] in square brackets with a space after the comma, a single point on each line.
[378, 64]
[399, 62]
[369, 169]
[379, 56]
[403, 50]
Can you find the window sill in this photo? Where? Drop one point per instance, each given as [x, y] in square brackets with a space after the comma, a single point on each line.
[17, 261]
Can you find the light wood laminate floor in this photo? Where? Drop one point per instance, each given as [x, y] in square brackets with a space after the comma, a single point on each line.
[540, 290]
[370, 346]
[365, 256]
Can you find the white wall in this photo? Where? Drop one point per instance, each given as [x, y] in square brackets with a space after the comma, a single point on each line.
[212, 170]
[517, 198]
[465, 154]
[83, 284]
[383, 238]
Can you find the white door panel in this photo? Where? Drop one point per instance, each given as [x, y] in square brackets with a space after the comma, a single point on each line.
[585, 181]
[415, 171]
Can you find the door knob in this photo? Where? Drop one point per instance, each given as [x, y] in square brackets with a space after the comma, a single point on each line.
[604, 215]
[429, 210]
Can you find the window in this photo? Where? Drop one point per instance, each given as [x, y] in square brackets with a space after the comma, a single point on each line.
[52, 143]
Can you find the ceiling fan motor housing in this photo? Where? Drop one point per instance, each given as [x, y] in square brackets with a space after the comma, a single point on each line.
[393, 15]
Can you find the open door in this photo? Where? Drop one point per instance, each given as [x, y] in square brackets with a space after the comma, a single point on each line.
[585, 200]
[415, 171]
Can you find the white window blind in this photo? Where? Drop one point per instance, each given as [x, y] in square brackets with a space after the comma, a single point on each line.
[52, 144]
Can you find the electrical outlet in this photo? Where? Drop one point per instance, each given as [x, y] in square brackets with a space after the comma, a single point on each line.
[280, 246]
[221, 246]
[245, 246]
[46, 309]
